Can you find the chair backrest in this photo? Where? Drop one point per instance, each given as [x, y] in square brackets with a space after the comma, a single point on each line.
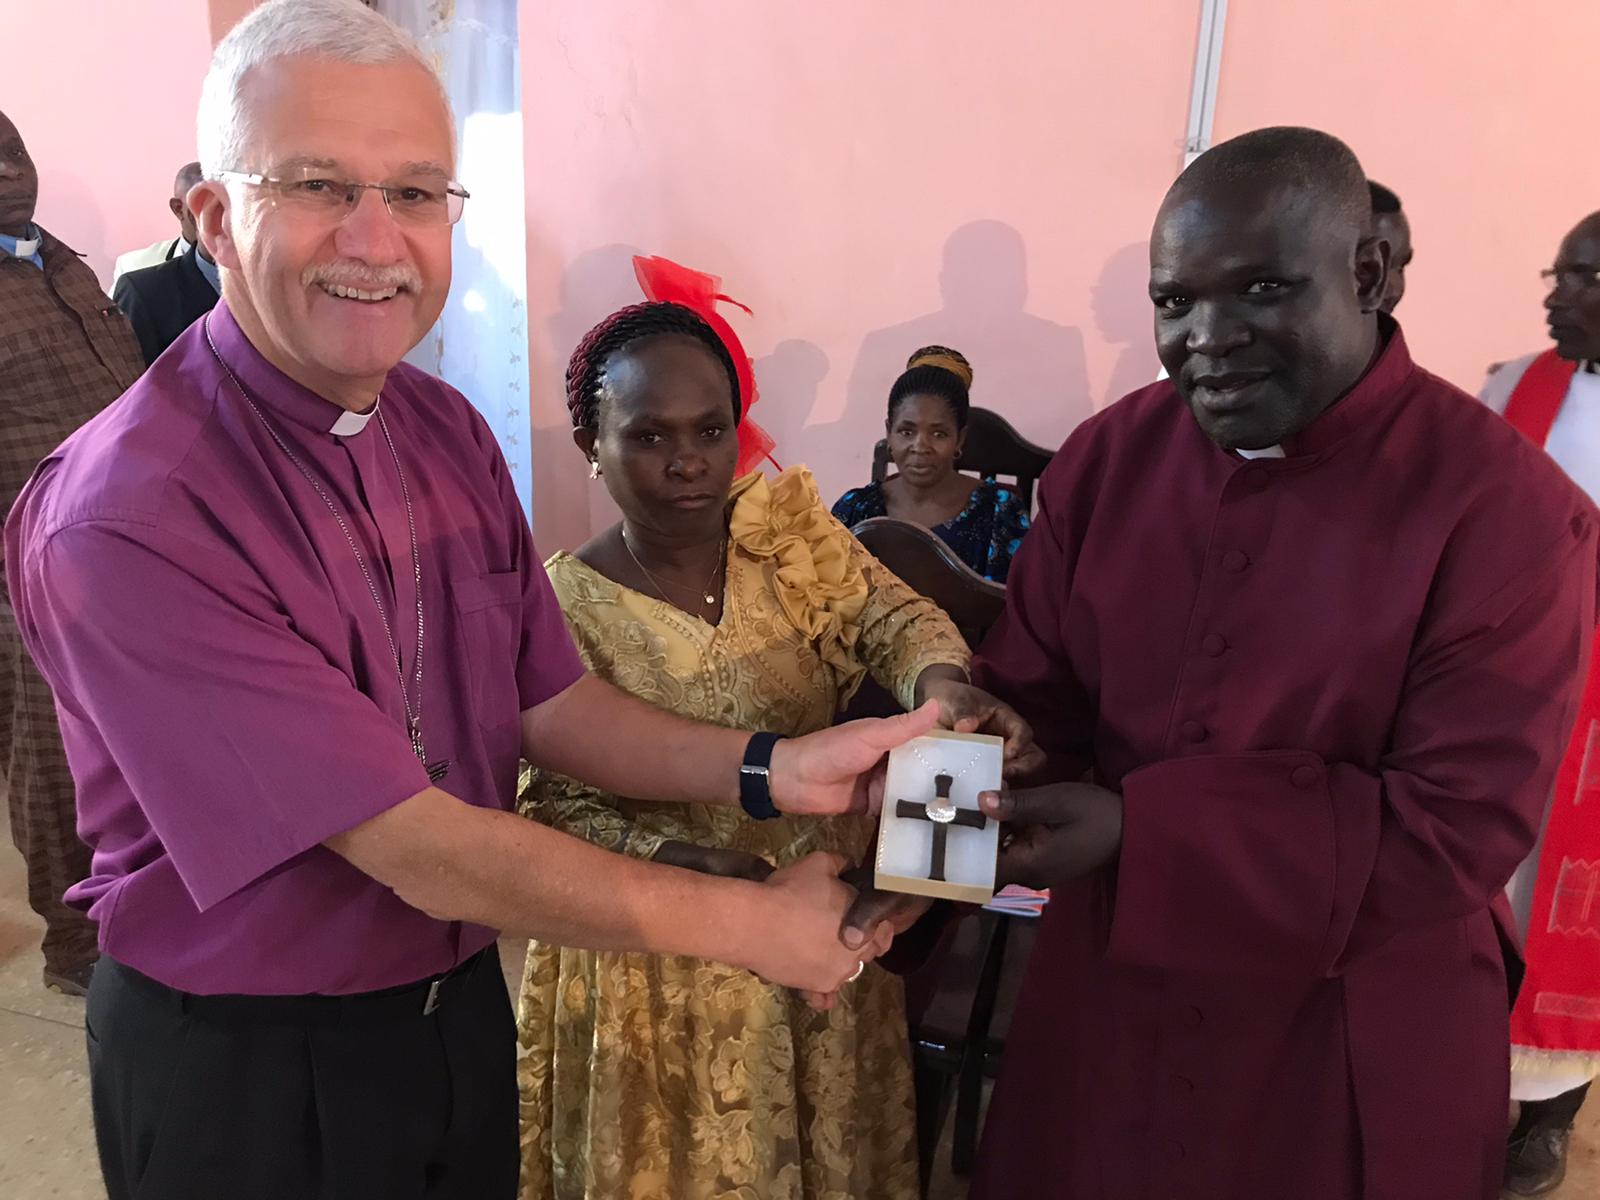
[993, 449]
[920, 558]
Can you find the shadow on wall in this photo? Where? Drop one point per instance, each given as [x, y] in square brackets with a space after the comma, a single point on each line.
[1122, 312]
[788, 381]
[69, 209]
[568, 506]
[593, 286]
[1028, 368]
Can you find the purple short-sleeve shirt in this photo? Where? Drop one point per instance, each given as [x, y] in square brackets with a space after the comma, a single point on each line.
[226, 688]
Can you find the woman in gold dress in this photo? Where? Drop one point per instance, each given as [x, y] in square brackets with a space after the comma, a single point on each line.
[741, 603]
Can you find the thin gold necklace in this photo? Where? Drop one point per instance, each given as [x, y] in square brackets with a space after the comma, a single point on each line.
[706, 594]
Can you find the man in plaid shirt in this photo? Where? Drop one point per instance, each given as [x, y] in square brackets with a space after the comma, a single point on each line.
[65, 353]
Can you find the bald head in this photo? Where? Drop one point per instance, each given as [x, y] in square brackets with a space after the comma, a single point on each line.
[1586, 229]
[188, 175]
[1572, 309]
[19, 181]
[1283, 159]
[1266, 283]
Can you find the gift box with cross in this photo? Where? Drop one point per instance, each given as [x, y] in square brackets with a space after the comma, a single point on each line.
[932, 838]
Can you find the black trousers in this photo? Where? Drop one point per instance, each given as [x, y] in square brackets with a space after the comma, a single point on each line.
[307, 1097]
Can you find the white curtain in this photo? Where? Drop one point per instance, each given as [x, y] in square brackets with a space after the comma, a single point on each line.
[480, 344]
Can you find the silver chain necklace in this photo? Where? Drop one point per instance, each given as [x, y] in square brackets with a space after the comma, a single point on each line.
[707, 594]
[934, 767]
[436, 771]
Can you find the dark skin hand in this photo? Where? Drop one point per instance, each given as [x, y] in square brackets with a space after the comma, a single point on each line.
[1051, 836]
[711, 860]
[1054, 834]
[739, 864]
[874, 917]
[972, 709]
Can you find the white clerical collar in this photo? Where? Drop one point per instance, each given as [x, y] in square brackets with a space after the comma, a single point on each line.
[1264, 452]
[351, 423]
[28, 247]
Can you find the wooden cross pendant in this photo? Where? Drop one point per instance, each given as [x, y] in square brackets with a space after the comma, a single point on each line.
[943, 814]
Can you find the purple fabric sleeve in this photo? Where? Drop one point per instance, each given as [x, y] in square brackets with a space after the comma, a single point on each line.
[243, 745]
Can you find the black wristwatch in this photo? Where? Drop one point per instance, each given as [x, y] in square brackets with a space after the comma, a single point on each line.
[755, 777]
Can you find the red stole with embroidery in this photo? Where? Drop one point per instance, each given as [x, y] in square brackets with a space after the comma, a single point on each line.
[1558, 1008]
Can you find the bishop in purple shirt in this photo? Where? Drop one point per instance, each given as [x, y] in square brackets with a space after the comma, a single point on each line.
[298, 637]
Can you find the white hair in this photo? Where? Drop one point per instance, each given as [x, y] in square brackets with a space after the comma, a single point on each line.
[341, 30]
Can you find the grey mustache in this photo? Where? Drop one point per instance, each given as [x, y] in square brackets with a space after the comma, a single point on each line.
[362, 277]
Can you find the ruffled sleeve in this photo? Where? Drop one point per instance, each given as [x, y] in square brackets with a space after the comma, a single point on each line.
[855, 612]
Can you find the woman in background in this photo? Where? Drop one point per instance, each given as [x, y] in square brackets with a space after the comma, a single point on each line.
[740, 602]
[982, 521]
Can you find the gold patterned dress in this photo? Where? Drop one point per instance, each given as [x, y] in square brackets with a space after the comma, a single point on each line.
[652, 1077]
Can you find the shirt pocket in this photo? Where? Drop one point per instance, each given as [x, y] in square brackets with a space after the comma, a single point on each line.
[115, 343]
[34, 364]
[489, 612]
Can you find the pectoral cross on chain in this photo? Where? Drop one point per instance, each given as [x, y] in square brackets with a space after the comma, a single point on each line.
[436, 770]
[943, 813]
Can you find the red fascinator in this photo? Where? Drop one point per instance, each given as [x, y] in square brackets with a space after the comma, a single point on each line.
[664, 280]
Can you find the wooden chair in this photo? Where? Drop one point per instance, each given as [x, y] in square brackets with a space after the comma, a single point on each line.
[993, 449]
[968, 990]
[954, 999]
[921, 559]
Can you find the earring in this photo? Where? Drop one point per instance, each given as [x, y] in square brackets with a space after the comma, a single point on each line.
[594, 468]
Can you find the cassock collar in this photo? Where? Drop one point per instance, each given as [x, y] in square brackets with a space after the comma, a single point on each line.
[1361, 404]
[271, 388]
[1264, 452]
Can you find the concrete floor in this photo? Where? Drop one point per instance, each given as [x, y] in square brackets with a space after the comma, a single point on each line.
[46, 1140]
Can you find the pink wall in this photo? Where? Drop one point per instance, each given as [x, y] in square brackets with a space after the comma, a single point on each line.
[872, 176]
[1472, 111]
[108, 114]
[867, 177]
[225, 14]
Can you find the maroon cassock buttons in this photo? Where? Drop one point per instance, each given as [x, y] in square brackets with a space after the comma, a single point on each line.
[1305, 778]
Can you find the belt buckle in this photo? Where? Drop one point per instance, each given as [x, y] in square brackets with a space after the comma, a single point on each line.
[431, 1004]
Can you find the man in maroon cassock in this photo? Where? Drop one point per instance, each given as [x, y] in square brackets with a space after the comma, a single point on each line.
[1302, 629]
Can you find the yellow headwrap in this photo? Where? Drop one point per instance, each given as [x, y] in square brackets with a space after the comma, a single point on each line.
[938, 356]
